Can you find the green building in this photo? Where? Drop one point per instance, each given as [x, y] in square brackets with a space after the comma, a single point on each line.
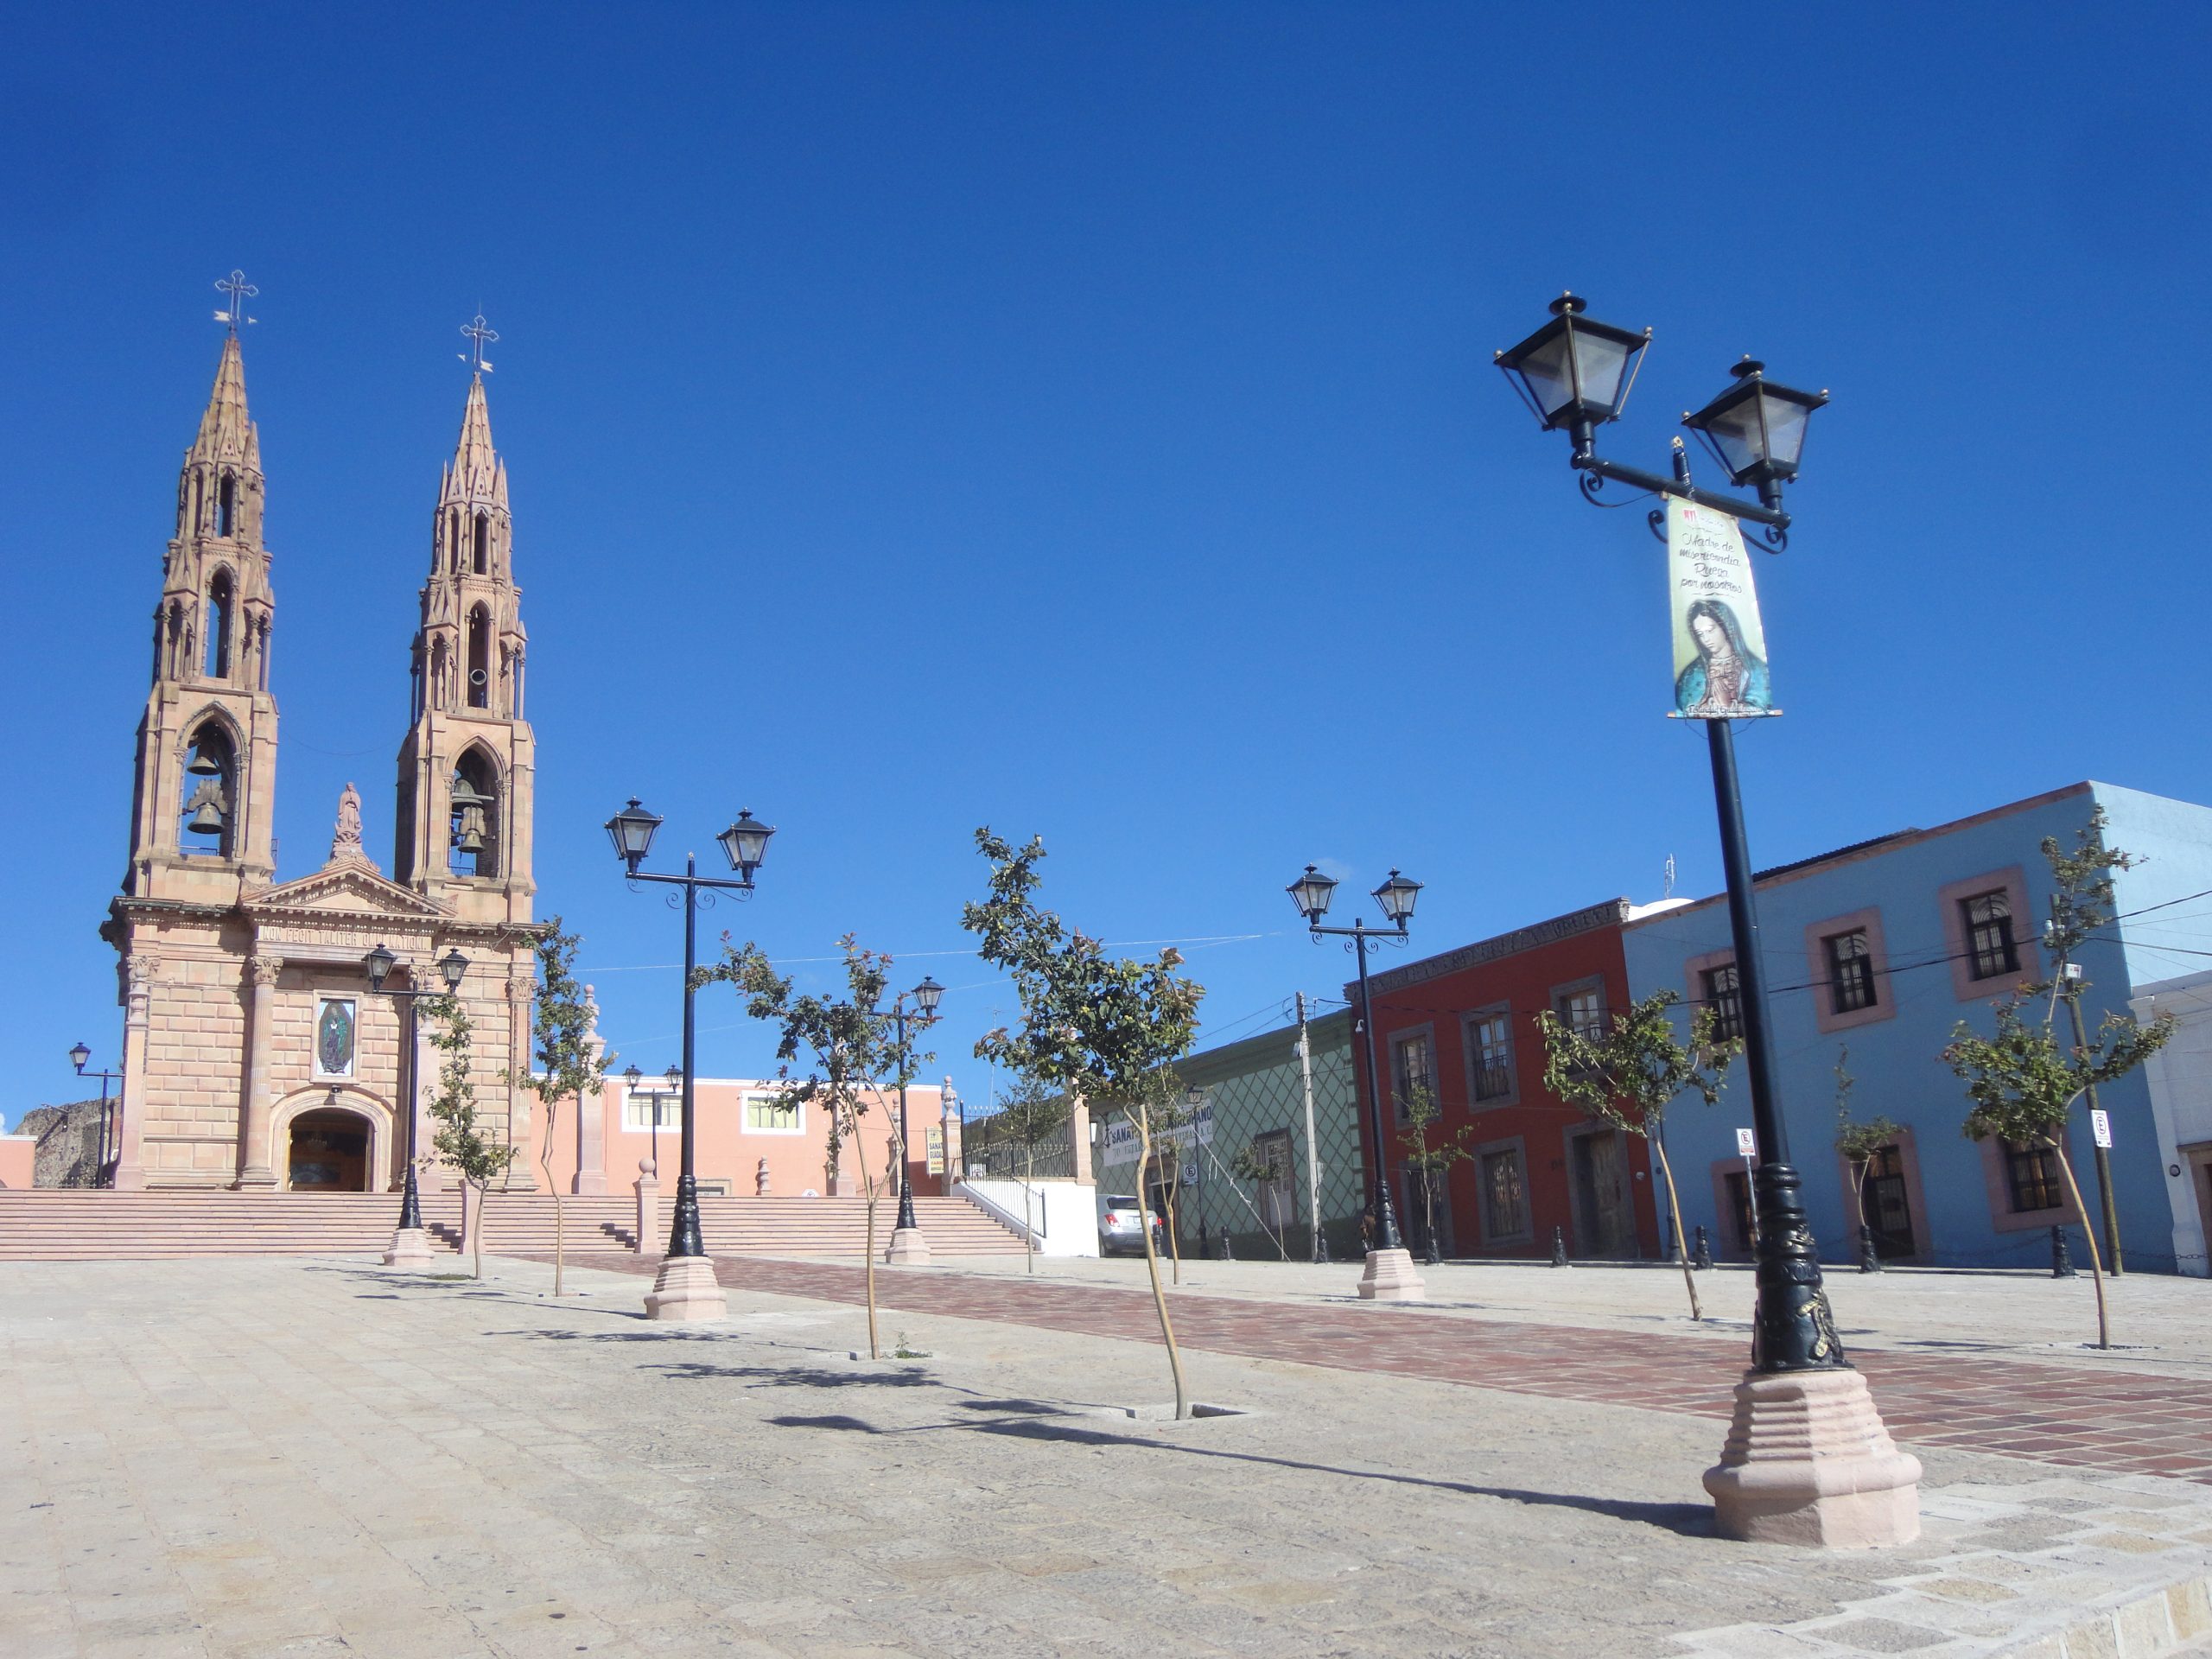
[1251, 1096]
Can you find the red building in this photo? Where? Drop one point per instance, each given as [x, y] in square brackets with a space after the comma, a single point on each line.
[1463, 1026]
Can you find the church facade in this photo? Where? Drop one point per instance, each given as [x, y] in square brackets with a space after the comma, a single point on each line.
[255, 1055]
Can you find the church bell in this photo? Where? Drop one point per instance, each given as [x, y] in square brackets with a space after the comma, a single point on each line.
[208, 820]
[204, 765]
[468, 808]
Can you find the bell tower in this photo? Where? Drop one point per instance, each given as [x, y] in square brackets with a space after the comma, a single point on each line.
[468, 767]
[207, 770]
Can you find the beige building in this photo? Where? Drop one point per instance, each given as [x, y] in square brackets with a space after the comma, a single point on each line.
[255, 1054]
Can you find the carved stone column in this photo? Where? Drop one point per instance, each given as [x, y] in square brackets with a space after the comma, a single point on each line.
[130, 1109]
[256, 1172]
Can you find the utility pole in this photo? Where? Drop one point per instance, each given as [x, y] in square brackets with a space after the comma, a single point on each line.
[1312, 1148]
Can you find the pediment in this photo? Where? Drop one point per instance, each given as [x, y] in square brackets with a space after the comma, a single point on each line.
[347, 889]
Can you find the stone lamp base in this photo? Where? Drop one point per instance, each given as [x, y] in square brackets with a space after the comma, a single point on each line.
[409, 1248]
[1392, 1277]
[1808, 1461]
[686, 1288]
[908, 1249]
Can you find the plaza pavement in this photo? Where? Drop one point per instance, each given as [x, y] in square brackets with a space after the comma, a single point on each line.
[247, 1457]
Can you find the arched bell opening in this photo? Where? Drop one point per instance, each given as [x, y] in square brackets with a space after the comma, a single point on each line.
[207, 822]
[480, 658]
[222, 605]
[475, 817]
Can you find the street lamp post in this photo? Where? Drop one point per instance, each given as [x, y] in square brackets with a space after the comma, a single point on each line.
[1390, 1276]
[1808, 1460]
[685, 1288]
[80, 1056]
[908, 1247]
[675, 1076]
[411, 1243]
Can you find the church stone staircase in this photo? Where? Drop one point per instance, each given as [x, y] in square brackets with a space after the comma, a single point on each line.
[74, 1224]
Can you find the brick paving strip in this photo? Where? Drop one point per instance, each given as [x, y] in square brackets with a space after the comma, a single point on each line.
[2127, 1424]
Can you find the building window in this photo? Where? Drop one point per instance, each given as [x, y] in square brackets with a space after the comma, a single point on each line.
[226, 506]
[647, 1109]
[480, 658]
[767, 1114]
[1581, 1009]
[1851, 971]
[2031, 1179]
[1489, 1045]
[483, 547]
[1271, 1157]
[1505, 1198]
[1725, 997]
[1413, 1070]
[1991, 951]
[221, 602]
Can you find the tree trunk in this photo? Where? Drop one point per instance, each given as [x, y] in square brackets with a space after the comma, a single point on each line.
[1682, 1244]
[1152, 1268]
[2089, 1233]
[545, 1163]
[1028, 1227]
[1859, 1190]
[483, 1191]
[2103, 1158]
[1174, 1233]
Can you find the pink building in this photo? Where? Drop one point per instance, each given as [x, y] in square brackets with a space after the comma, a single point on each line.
[747, 1143]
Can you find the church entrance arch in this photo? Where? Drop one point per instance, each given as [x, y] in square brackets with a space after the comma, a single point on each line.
[331, 1141]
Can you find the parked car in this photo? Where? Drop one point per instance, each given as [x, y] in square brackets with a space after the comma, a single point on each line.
[1118, 1221]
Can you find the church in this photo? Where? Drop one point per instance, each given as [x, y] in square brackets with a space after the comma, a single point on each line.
[256, 1055]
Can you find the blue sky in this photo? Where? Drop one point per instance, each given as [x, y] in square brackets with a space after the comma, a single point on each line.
[1080, 420]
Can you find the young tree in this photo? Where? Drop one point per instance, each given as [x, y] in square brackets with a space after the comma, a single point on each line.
[1030, 1113]
[2023, 1084]
[2081, 905]
[1107, 1028]
[1857, 1141]
[853, 1054]
[1629, 1076]
[1250, 1163]
[475, 1157]
[1434, 1162]
[1173, 1112]
[571, 1062]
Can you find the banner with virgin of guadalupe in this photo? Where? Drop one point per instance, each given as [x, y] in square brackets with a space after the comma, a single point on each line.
[1720, 647]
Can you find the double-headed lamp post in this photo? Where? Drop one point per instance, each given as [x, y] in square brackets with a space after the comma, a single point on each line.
[1808, 1460]
[80, 1056]
[675, 1076]
[908, 1247]
[685, 1288]
[410, 1245]
[1389, 1275]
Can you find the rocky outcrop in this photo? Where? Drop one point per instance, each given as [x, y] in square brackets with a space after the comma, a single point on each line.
[69, 1143]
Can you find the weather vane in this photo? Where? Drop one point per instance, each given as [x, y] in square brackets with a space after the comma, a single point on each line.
[480, 335]
[240, 291]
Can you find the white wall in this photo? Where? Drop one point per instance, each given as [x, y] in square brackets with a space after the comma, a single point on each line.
[1063, 1216]
[2180, 1075]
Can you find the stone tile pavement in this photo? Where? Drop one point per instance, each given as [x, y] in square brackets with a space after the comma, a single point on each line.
[249, 1457]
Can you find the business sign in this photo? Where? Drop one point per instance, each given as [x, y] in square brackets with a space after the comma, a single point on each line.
[1747, 1144]
[936, 1144]
[1720, 647]
[2100, 1129]
[1122, 1135]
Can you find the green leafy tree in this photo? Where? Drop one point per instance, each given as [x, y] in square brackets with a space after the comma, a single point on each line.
[1628, 1077]
[1175, 1117]
[2081, 904]
[2023, 1082]
[460, 1140]
[852, 1056]
[1030, 1113]
[1108, 1029]
[571, 1064]
[1857, 1142]
[1256, 1169]
[1430, 1152]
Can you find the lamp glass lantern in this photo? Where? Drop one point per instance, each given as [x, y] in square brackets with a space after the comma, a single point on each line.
[379, 963]
[631, 1075]
[631, 831]
[926, 996]
[1755, 428]
[1310, 892]
[745, 843]
[1397, 895]
[1574, 371]
[80, 1056]
[451, 967]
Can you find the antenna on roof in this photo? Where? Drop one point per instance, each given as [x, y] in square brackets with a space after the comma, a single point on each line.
[240, 291]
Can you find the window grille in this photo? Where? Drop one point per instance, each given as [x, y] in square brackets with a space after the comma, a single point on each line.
[1851, 971]
[1991, 948]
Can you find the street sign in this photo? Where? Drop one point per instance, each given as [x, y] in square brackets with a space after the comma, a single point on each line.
[936, 1133]
[1747, 1144]
[2100, 1129]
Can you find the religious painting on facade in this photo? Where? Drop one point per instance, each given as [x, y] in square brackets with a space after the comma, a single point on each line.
[334, 1037]
[1720, 670]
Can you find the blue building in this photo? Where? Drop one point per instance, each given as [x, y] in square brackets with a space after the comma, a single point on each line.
[1874, 953]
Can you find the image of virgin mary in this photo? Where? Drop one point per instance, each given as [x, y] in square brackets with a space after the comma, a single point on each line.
[333, 1040]
[1727, 679]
